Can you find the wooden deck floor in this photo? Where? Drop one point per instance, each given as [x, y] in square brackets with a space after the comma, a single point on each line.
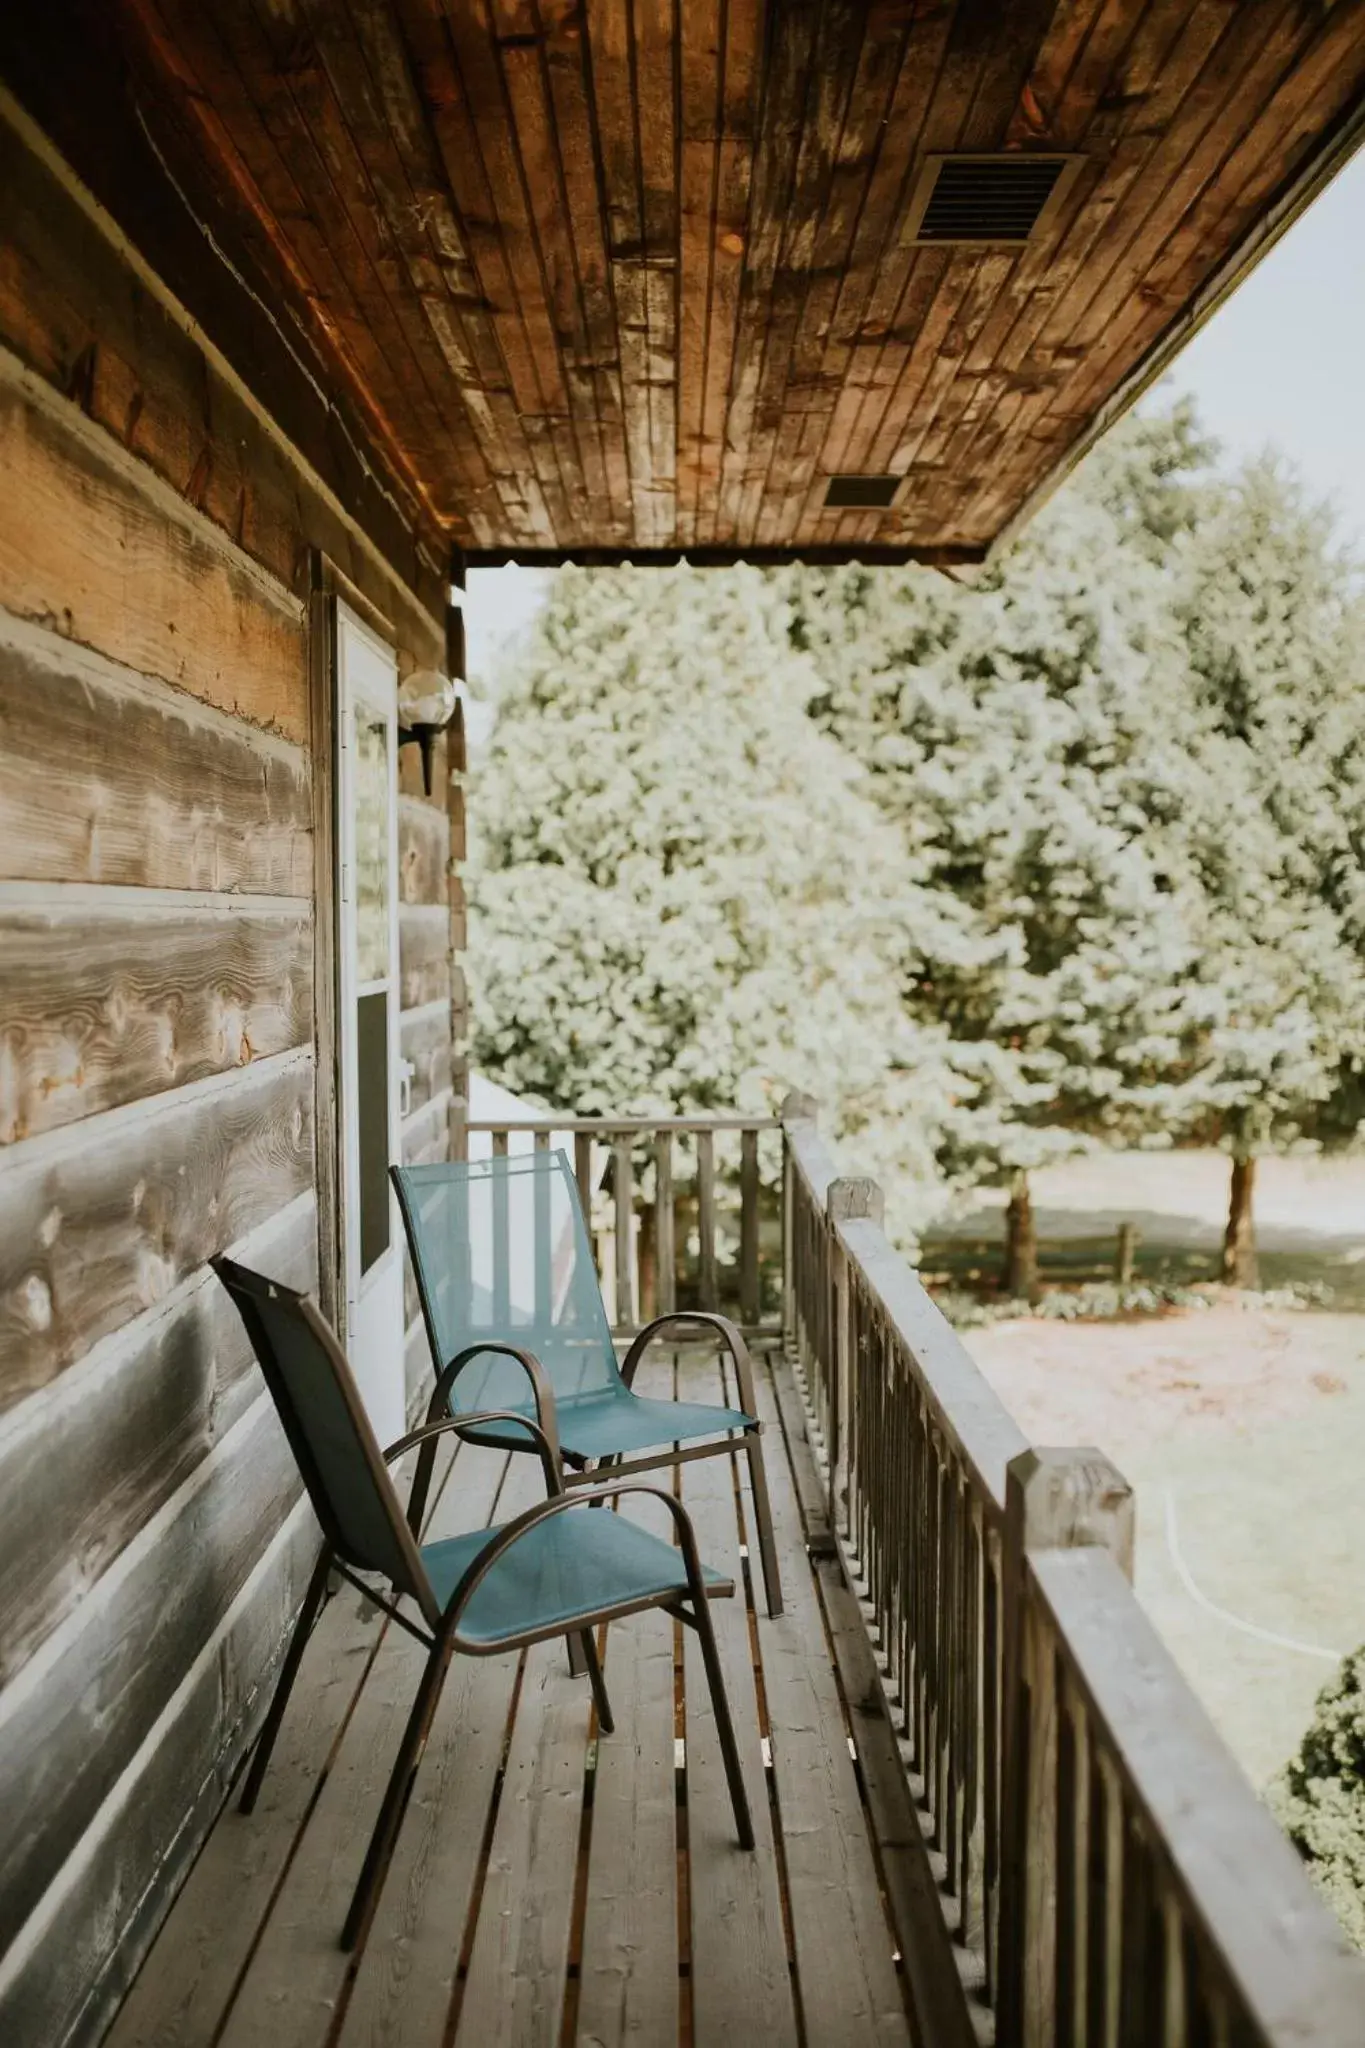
[549, 1887]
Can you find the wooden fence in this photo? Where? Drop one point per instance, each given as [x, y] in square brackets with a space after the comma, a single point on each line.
[1107, 1874]
[683, 1192]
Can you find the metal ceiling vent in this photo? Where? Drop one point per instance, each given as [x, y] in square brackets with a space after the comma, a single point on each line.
[988, 202]
[861, 493]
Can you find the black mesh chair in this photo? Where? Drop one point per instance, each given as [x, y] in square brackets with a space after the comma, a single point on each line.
[552, 1571]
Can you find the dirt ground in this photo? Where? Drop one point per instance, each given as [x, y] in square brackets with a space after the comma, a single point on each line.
[1242, 1430]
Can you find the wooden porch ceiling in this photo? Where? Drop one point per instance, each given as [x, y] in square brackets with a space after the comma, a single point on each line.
[636, 275]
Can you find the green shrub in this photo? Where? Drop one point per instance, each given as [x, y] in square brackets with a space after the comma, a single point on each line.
[1320, 1799]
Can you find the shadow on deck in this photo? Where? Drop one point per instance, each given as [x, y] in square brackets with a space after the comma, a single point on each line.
[549, 1887]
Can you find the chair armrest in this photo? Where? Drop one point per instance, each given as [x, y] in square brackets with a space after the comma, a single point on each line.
[545, 1427]
[728, 1332]
[581, 1497]
[543, 1392]
[463, 1425]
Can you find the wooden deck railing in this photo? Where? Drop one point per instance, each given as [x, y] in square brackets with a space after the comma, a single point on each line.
[1109, 1878]
[689, 1200]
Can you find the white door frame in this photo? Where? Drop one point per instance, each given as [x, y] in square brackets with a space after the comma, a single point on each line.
[367, 680]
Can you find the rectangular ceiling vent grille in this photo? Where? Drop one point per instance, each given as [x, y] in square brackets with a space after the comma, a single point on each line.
[988, 202]
[861, 493]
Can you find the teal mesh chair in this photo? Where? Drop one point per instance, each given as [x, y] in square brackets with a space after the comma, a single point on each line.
[550, 1572]
[504, 1268]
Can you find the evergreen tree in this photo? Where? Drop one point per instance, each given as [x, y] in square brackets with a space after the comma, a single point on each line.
[1129, 757]
[1069, 856]
[1272, 617]
[683, 897]
[1030, 735]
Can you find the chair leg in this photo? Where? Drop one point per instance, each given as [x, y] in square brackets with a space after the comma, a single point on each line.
[763, 1516]
[396, 1793]
[725, 1727]
[284, 1684]
[605, 1720]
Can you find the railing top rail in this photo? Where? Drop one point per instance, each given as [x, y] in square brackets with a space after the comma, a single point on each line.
[812, 1157]
[1240, 1880]
[965, 1405]
[623, 1126]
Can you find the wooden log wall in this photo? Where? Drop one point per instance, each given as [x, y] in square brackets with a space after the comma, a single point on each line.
[161, 1011]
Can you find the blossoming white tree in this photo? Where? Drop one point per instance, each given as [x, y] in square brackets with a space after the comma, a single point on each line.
[683, 894]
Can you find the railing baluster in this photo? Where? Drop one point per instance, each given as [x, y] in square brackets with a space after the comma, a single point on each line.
[623, 1177]
[502, 1273]
[665, 1247]
[582, 1163]
[748, 1229]
[706, 1221]
[544, 1243]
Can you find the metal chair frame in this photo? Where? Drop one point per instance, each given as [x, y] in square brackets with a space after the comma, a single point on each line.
[439, 1628]
[581, 1471]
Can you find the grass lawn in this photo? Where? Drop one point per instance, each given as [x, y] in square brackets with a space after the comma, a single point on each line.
[1242, 1429]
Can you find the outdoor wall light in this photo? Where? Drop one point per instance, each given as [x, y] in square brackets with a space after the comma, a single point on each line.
[426, 705]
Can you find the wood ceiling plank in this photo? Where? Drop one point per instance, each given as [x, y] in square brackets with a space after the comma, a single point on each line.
[439, 251]
[699, 126]
[284, 73]
[489, 115]
[852, 344]
[443, 93]
[656, 97]
[856, 60]
[1249, 60]
[241, 130]
[1169, 48]
[908, 279]
[1103, 243]
[372, 87]
[922, 431]
[593, 368]
[519, 45]
[789, 76]
[988, 64]
[223, 121]
[740, 90]
[1326, 74]
[867, 135]
[1070, 96]
[612, 62]
[290, 72]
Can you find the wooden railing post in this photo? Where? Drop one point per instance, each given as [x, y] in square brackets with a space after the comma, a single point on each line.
[1054, 1500]
[796, 1109]
[845, 1200]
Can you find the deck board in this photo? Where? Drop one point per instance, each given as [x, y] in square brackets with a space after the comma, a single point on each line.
[543, 1890]
[628, 1989]
[298, 1973]
[406, 1974]
[849, 1988]
[741, 1980]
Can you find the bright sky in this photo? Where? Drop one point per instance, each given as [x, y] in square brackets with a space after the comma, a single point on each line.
[1281, 365]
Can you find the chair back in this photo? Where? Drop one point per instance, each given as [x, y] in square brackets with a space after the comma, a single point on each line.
[502, 1255]
[329, 1432]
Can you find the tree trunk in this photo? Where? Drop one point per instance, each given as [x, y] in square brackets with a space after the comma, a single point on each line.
[1021, 1243]
[1240, 1268]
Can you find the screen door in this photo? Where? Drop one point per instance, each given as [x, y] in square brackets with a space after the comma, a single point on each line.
[367, 898]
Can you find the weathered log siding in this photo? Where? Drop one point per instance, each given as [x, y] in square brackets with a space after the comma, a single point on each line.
[164, 989]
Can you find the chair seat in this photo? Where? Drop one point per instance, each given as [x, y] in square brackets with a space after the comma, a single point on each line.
[572, 1564]
[614, 1422]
